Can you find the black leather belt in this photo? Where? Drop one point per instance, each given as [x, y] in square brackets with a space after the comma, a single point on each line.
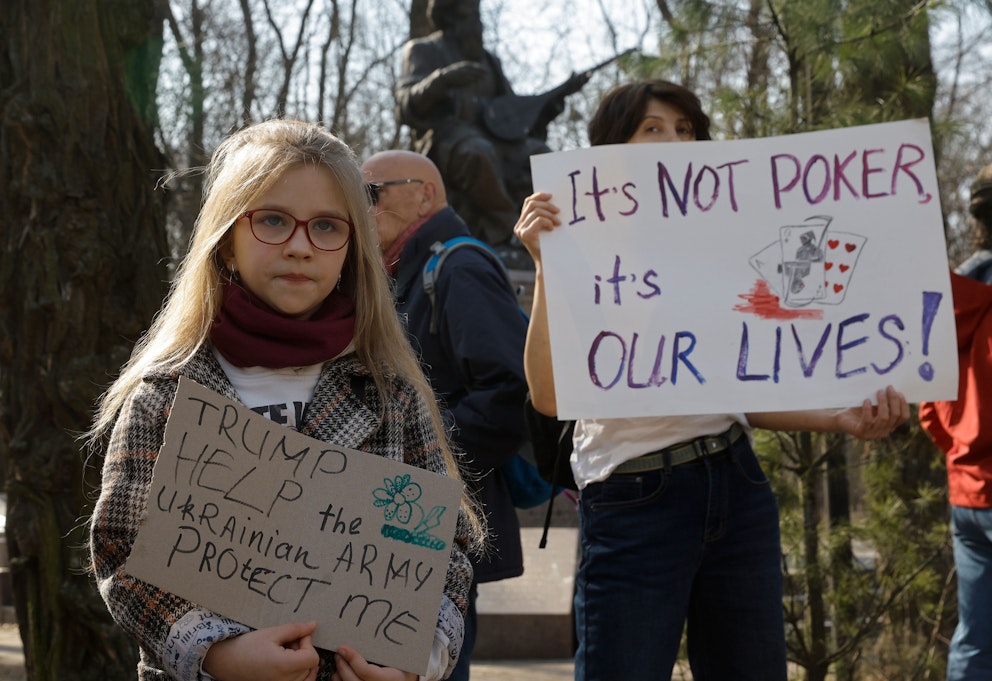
[684, 452]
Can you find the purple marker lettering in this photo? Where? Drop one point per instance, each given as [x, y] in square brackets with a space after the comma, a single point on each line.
[655, 378]
[653, 288]
[597, 194]
[778, 187]
[575, 199]
[882, 324]
[593, 360]
[839, 175]
[904, 166]
[730, 181]
[931, 301]
[809, 368]
[842, 346]
[665, 179]
[825, 188]
[682, 356]
[714, 193]
[866, 170]
[616, 280]
[742, 357]
[633, 202]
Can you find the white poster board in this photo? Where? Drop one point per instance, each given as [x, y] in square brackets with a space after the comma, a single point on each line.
[793, 272]
[266, 526]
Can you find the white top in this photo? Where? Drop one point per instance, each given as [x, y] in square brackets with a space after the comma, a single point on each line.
[600, 445]
[281, 395]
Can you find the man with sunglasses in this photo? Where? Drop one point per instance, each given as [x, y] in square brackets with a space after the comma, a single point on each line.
[474, 357]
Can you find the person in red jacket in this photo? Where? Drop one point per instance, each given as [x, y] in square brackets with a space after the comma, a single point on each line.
[962, 429]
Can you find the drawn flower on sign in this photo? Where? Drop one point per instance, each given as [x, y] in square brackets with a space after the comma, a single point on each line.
[398, 497]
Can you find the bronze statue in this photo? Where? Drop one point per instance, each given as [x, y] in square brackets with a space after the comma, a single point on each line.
[464, 115]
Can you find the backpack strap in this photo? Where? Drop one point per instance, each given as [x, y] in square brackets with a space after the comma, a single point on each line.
[439, 252]
[978, 267]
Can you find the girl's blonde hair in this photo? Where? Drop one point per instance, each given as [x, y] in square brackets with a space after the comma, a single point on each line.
[243, 167]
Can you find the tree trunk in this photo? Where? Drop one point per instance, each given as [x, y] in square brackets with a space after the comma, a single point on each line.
[811, 486]
[842, 552]
[82, 271]
[759, 72]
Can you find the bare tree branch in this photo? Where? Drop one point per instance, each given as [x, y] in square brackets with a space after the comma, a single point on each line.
[251, 63]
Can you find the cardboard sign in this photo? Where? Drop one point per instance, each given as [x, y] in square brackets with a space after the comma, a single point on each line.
[792, 272]
[267, 526]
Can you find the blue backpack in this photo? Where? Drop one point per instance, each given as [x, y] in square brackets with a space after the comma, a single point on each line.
[440, 252]
[527, 487]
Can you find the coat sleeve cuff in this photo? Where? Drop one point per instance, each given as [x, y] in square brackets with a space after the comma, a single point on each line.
[189, 639]
[447, 642]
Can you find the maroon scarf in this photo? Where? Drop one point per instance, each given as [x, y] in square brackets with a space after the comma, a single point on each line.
[391, 256]
[250, 333]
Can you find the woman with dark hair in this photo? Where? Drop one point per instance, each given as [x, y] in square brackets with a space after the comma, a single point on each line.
[679, 526]
[623, 109]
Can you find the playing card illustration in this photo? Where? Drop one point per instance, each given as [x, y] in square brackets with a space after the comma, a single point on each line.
[842, 252]
[802, 261]
[809, 263]
[768, 263]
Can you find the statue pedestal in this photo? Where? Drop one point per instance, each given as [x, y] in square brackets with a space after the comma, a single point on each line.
[530, 617]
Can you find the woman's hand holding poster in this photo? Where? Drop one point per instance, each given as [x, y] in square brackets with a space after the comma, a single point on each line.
[794, 272]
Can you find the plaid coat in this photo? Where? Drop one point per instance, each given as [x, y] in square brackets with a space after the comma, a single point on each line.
[345, 411]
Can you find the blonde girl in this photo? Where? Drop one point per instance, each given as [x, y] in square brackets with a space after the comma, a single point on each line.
[281, 300]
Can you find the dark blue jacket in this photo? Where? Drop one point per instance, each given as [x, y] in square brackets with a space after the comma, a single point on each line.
[475, 364]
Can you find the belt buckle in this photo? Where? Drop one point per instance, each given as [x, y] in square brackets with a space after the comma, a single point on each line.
[713, 444]
[699, 448]
[721, 443]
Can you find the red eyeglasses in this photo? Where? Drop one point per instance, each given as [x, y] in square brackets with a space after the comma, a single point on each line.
[276, 227]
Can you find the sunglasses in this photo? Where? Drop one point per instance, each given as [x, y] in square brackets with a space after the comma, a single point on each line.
[373, 188]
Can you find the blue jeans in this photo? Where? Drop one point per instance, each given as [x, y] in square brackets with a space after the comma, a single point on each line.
[461, 670]
[970, 657]
[696, 546]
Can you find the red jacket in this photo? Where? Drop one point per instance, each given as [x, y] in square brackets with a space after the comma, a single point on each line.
[963, 428]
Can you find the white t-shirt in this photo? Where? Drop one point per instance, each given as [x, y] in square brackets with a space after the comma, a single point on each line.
[600, 445]
[281, 395]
